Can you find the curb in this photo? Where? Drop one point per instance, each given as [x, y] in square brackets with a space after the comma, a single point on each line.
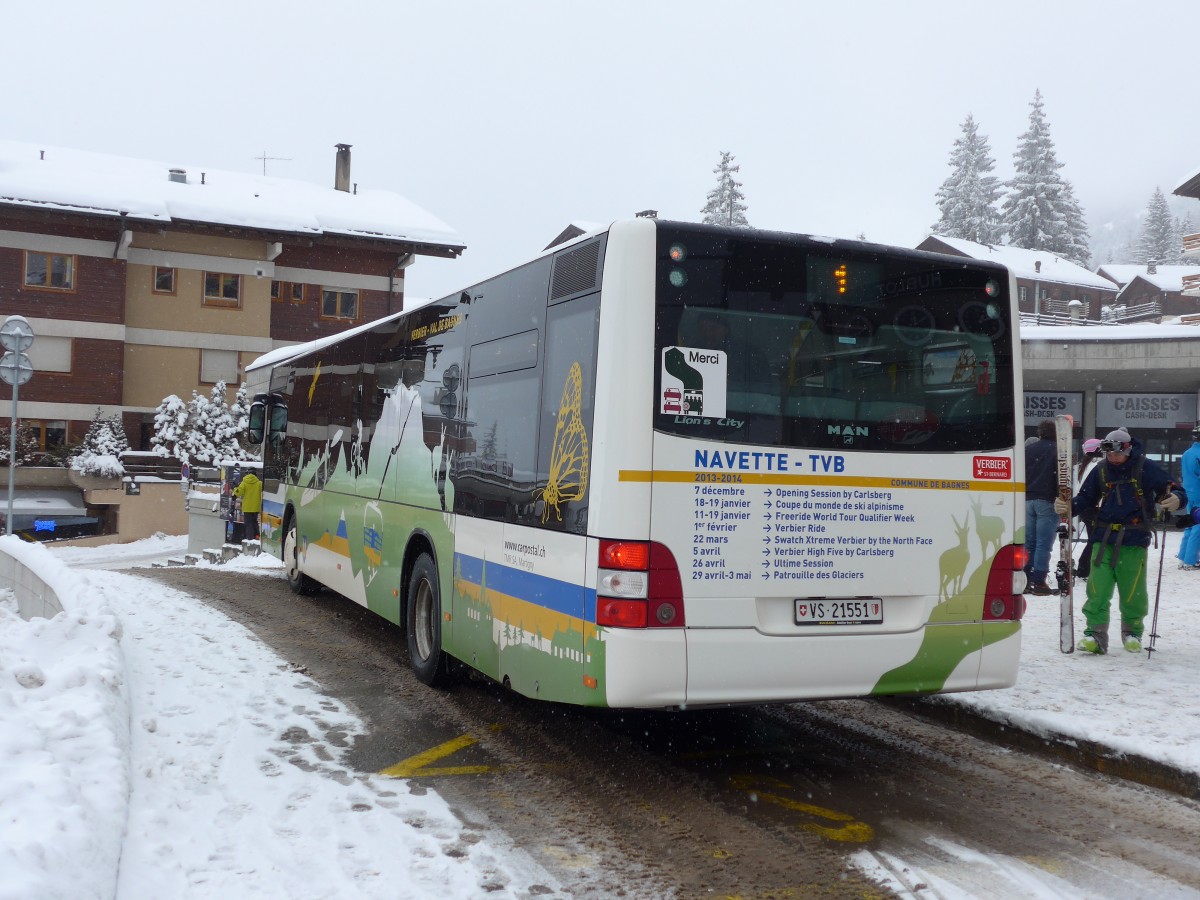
[1076, 751]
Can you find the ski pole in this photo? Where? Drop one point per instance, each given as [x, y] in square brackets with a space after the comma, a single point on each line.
[1162, 554]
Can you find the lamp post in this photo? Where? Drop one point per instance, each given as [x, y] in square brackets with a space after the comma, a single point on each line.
[15, 368]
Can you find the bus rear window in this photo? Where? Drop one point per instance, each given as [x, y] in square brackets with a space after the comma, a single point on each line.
[795, 342]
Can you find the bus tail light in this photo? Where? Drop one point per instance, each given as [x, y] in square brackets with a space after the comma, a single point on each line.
[638, 586]
[1004, 595]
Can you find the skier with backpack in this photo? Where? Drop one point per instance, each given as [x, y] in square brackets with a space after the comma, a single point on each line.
[1122, 490]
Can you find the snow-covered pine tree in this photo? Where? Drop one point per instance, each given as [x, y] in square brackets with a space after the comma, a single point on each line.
[1158, 242]
[968, 197]
[725, 206]
[198, 439]
[27, 442]
[240, 410]
[224, 431]
[170, 426]
[1040, 211]
[101, 449]
[1075, 241]
[1183, 227]
[239, 413]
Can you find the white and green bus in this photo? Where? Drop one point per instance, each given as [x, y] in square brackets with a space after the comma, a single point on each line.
[672, 465]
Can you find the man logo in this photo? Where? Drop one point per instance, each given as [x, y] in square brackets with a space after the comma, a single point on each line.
[849, 432]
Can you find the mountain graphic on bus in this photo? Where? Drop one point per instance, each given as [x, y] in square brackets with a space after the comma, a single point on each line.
[693, 383]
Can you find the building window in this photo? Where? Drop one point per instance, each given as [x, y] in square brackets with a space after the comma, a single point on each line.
[339, 304]
[1022, 294]
[219, 365]
[49, 434]
[164, 280]
[55, 271]
[1085, 298]
[287, 290]
[222, 290]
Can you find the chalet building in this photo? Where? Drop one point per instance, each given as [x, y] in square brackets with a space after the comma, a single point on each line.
[1048, 286]
[1151, 283]
[1141, 374]
[141, 279]
[1191, 242]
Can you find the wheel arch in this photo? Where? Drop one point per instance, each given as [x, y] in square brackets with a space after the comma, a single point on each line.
[289, 513]
[419, 542]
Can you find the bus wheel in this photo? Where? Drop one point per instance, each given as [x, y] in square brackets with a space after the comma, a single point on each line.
[297, 580]
[423, 620]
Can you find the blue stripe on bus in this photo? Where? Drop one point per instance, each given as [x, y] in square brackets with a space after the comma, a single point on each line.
[541, 590]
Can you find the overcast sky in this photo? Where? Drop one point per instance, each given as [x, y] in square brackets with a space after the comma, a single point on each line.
[508, 121]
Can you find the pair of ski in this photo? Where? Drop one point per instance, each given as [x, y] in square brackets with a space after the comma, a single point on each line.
[1064, 572]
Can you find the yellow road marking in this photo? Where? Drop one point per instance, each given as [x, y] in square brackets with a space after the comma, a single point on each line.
[420, 764]
[853, 831]
[568, 858]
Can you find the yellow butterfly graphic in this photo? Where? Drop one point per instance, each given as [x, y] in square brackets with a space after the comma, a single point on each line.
[569, 455]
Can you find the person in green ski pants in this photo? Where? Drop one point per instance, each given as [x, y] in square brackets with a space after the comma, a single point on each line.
[1124, 486]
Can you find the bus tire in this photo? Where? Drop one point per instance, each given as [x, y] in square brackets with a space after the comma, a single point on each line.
[296, 579]
[423, 622]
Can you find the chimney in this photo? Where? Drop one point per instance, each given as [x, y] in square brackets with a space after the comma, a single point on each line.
[1037, 266]
[177, 175]
[1152, 267]
[341, 171]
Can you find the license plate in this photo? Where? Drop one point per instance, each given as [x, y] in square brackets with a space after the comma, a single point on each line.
[826, 611]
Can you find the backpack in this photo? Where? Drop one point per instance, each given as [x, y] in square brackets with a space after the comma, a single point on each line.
[1139, 523]
[1134, 478]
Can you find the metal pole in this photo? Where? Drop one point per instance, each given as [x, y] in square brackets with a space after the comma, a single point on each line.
[12, 459]
[16, 337]
[1162, 555]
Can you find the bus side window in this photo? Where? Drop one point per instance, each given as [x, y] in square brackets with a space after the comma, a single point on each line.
[567, 403]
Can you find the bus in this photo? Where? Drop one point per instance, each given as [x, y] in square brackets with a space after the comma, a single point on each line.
[672, 465]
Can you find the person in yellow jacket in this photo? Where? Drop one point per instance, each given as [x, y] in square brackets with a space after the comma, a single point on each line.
[250, 492]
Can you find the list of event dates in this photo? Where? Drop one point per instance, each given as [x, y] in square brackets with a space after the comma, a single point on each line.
[818, 534]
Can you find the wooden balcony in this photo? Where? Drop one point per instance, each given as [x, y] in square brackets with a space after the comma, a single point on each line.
[1191, 283]
[1191, 245]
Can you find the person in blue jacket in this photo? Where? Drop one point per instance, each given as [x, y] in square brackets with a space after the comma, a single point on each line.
[1189, 547]
[1123, 490]
[1041, 521]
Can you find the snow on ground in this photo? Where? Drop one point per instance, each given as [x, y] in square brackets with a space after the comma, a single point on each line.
[153, 747]
[1141, 704]
[136, 730]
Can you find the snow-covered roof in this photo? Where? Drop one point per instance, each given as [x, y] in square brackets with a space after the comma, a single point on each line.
[291, 351]
[1022, 263]
[1165, 278]
[81, 181]
[1189, 184]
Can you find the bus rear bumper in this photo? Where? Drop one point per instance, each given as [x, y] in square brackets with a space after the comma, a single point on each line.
[722, 666]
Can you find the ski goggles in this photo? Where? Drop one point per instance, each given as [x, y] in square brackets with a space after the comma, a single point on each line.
[1115, 446]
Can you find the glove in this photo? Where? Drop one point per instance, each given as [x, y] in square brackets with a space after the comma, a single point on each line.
[1169, 503]
[1063, 507]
